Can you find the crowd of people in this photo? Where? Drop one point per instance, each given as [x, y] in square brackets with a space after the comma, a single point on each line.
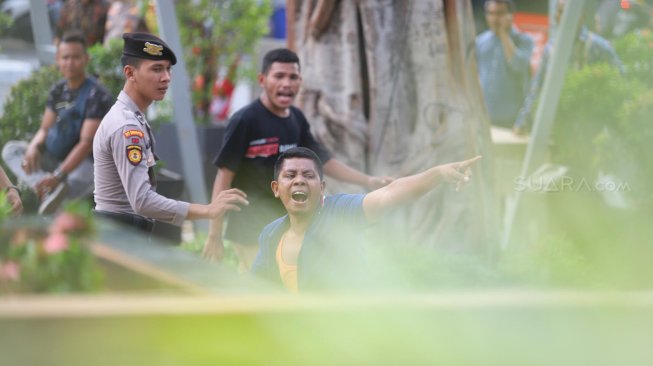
[270, 167]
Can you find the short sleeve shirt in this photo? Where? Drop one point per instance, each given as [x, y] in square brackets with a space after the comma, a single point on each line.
[332, 254]
[123, 150]
[98, 102]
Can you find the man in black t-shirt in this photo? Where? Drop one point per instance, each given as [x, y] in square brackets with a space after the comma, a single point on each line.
[57, 162]
[254, 138]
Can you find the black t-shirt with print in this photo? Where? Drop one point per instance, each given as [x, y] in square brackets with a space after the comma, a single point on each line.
[98, 103]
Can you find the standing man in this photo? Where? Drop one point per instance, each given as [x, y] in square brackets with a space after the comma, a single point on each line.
[503, 58]
[318, 244]
[57, 162]
[124, 148]
[254, 138]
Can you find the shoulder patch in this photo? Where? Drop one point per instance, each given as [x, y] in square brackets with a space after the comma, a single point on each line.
[134, 154]
[131, 133]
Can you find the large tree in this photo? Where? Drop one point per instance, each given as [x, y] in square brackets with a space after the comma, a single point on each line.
[390, 87]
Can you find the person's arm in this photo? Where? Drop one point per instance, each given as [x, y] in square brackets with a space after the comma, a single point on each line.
[506, 42]
[214, 247]
[518, 51]
[228, 200]
[33, 154]
[408, 189]
[79, 152]
[13, 194]
[524, 117]
[342, 172]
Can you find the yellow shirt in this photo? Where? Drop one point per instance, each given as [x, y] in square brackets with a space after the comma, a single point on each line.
[287, 272]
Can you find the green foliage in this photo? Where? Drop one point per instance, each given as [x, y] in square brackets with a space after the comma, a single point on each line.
[23, 108]
[196, 245]
[625, 149]
[636, 52]
[5, 22]
[54, 258]
[588, 105]
[602, 126]
[5, 207]
[105, 65]
[216, 34]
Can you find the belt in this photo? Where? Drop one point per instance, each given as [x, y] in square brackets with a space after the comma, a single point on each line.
[137, 221]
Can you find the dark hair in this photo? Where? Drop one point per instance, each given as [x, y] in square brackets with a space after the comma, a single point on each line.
[301, 153]
[130, 60]
[74, 37]
[282, 55]
[510, 3]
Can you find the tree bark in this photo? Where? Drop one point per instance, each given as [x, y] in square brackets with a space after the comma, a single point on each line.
[402, 76]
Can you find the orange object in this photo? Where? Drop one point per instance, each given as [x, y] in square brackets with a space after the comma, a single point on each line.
[537, 26]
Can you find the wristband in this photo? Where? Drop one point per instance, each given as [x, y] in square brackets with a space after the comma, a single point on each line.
[14, 188]
[59, 174]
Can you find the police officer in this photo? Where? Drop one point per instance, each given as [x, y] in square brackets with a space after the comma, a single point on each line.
[124, 147]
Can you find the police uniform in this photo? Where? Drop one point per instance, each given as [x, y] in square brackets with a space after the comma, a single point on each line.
[123, 150]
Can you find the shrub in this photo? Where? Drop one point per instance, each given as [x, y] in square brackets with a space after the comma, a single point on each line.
[588, 106]
[636, 52]
[105, 65]
[23, 108]
[54, 258]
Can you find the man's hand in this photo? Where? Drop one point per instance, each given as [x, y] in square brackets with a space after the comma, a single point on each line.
[505, 24]
[230, 199]
[46, 185]
[374, 183]
[32, 159]
[14, 200]
[213, 249]
[519, 131]
[458, 173]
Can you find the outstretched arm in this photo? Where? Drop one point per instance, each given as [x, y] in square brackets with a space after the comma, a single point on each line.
[340, 171]
[408, 189]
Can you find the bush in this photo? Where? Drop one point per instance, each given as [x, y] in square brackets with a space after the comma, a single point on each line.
[588, 106]
[636, 52]
[625, 149]
[52, 258]
[23, 108]
[105, 65]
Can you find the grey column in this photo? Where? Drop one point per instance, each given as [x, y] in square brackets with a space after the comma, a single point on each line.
[42, 33]
[565, 38]
[182, 110]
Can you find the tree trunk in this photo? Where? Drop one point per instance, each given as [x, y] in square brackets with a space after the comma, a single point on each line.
[391, 87]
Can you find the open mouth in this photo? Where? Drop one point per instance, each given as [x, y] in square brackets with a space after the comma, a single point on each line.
[285, 95]
[299, 196]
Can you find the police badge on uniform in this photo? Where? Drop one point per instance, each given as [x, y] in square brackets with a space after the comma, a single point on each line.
[134, 154]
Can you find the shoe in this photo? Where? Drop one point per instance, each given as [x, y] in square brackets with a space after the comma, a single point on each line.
[52, 201]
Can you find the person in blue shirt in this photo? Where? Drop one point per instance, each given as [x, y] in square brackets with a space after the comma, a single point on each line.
[589, 48]
[503, 58]
[317, 245]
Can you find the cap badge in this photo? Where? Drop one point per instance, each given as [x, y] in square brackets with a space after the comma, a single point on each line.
[153, 49]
